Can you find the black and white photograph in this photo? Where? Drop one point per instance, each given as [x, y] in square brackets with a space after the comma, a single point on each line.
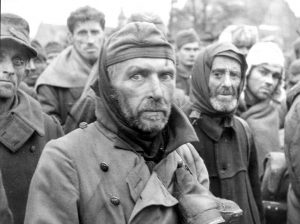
[150, 112]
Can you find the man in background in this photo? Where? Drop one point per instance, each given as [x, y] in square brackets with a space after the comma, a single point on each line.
[61, 84]
[36, 65]
[187, 48]
[53, 49]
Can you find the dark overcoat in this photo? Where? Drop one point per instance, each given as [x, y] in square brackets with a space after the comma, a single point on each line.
[24, 131]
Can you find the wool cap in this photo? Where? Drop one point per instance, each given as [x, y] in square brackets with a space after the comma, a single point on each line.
[137, 40]
[186, 36]
[16, 28]
[240, 35]
[264, 53]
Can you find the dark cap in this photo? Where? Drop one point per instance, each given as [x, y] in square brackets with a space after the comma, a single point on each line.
[186, 36]
[16, 28]
[138, 40]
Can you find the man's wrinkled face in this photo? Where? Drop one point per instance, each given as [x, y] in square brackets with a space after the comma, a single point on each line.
[13, 61]
[144, 90]
[87, 39]
[34, 68]
[263, 80]
[188, 53]
[224, 82]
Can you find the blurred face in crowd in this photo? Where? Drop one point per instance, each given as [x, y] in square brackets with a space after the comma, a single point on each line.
[292, 80]
[13, 61]
[87, 39]
[144, 90]
[263, 81]
[34, 68]
[224, 82]
[187, 54]
[51, 57]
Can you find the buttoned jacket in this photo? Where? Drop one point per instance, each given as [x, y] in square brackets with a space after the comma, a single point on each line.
[24, 131]
[93, 176]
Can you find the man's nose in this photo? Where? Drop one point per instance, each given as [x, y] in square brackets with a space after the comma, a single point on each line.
[155, 87]
[31, 66]
[269, 79]
[7, 67]
[227, 79]
[90, 38]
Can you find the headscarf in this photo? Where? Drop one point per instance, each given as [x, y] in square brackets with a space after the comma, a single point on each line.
[201, 72]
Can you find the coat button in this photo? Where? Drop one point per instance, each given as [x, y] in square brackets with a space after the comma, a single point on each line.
[32, 148]
[104, 167]
[83, 125]
[115, 200]
[180, 164]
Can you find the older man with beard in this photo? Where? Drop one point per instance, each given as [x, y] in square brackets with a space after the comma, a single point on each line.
[225, 142]
[134, 164]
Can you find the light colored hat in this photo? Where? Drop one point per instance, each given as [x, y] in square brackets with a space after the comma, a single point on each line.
[264, 53]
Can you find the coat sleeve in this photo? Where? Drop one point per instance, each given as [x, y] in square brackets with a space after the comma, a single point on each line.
[292, 145]
[53, 194]
[48, 98]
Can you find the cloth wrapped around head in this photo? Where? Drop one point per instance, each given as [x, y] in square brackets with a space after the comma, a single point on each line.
[201, 71]
[134, 40]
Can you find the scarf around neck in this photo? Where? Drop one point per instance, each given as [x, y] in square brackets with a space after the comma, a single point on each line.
[68, 70]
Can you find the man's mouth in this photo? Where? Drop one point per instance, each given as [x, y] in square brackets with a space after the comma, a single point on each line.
[265, 91]
[6, 81]
[153, 115]
[91, 50]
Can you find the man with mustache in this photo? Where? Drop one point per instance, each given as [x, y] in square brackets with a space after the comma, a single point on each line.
[61, 84]
[24, 127]
[135, 163]
[225, 142]
[259, 105]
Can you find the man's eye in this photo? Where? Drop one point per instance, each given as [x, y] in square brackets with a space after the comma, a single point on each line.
[235, 74]
[276, 76]
[82, 33]
[218, 75]
[136, 77]
[263, 71]
[166, 76]
[95, 32]
[18, 61]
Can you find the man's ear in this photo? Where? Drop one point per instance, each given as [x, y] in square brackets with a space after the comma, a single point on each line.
[70, 37]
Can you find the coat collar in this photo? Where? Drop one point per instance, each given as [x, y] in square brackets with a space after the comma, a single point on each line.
[68, 70]
[180, 129]
[210, 126]
[21, 122]
[183, 72]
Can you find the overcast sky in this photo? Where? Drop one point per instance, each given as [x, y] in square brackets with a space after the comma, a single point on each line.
[57, 11]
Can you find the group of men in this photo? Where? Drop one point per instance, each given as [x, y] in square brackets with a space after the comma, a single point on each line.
[144, 158]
